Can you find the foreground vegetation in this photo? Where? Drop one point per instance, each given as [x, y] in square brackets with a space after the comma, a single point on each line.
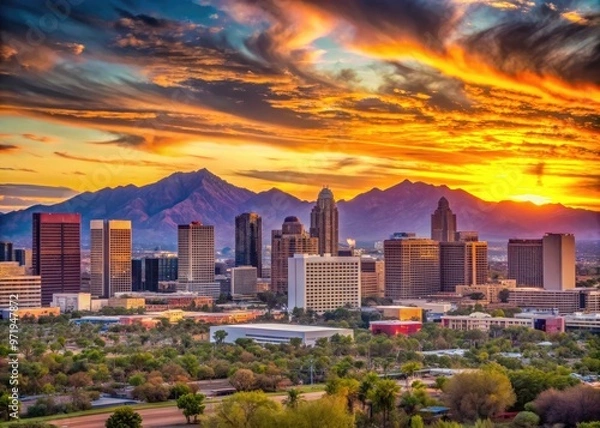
[71, 365]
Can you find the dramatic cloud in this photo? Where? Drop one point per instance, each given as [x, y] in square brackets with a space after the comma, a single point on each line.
[356, 93]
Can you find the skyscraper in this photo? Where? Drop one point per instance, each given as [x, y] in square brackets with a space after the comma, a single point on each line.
[248, 241]
[137, 283]
[526, 261]
[559, 261]
[463, 263]
[443, 222]
[110, 257]
[412, 267]
[291, 239]
[324, 223]
[6, 252]
[196, 255]
[56, 253]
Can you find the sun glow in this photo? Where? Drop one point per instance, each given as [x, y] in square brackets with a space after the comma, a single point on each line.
[535, 199]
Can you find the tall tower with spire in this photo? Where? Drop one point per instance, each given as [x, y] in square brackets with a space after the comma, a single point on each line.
[443, 222]
[324, 223]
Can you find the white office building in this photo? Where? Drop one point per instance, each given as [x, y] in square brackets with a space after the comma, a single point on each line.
[278, 333]
[69, 302]
[14, 281]
[323, 283]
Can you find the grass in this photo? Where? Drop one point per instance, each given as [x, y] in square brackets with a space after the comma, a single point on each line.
[302, 388]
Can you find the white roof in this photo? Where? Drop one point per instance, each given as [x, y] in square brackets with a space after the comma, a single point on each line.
[285, 327]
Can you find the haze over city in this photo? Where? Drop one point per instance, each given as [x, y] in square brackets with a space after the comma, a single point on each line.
[499, 98]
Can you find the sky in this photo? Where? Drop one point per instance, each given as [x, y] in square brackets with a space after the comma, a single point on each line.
[498, 97]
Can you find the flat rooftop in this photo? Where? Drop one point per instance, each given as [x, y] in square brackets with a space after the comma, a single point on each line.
[286, 327]
[395, 322]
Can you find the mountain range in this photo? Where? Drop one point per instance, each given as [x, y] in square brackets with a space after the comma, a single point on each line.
[156, 209]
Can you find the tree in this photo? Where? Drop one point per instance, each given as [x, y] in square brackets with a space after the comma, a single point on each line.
[383, 397]
[243, 380]
[192, 406]
[220, 336]
[569, 407]
[293, 398]
[409, 369]
[526, 420]
[417, 422]
[124, 417]
[248, 409]
[329, 412]
[503, 295]
[530, 382]
[179, 390]
[478, 394]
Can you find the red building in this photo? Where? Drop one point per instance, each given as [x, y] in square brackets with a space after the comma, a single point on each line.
[56, 254]
[395, 327]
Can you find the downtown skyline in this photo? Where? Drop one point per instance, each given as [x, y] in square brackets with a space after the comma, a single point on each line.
[499, 98]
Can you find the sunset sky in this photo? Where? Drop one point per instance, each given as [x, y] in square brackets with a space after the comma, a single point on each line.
[497, 97]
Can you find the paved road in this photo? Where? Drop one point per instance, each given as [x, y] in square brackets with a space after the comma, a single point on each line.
[165, 417]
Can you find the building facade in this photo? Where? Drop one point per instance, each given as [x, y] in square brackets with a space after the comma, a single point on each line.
[443, 222]
[196, 259]
[24, 257]
[15, 281]
[248, 241]
[324, 223]
[412, 267]
[463, 263]
[6, 251]
[278, 333]
[525, 262]
[159, 270]
[559, 261]
[372, 277]
[69, 302]
[56, 253]
[395, 327]
[244, 280]
[110, 257]
[323, 283]
[137, 275]
[482, 321]
[291, 239]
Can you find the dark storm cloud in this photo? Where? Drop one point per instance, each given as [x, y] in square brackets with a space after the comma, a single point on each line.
[544, 42]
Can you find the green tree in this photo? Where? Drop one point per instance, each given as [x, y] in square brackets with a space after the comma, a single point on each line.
[503, 295]
[478, 394]
[417, 422]
[192, 406]
[409, 369]
[383, 397]
[328, 412]
[293, 398]
[124, 417]
[248, 409]
[220, 336]
[526, 420]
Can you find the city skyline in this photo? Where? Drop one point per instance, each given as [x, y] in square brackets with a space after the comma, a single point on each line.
[353, 95]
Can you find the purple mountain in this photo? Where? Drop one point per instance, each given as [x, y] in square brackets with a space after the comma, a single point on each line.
[157, 209]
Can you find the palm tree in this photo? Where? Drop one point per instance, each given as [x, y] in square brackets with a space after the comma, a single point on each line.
[293, 398]
[384, 398]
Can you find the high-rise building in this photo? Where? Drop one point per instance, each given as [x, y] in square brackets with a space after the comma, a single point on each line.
[56, 253]
[248, 241]
[243, 280]
[159, 270]
[412, 267]
[14, 280]
[6, 252]
[137, 280]
[324, 223]
[372, 277]
[110, 257]
[559, 261]
[443, 222]
[196, 259]
[291, 239]
[525, 262]
[323, 283]
[463, 263]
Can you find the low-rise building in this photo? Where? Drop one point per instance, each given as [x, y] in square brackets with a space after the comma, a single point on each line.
[482, 321]
[31, 312]
[278, 333]
[15, 282]
[69, 302]
[127, 302]
[490, 291]
[548, 323]
[581, 321]
[395, 327]
[564, 301]
[402, 313]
